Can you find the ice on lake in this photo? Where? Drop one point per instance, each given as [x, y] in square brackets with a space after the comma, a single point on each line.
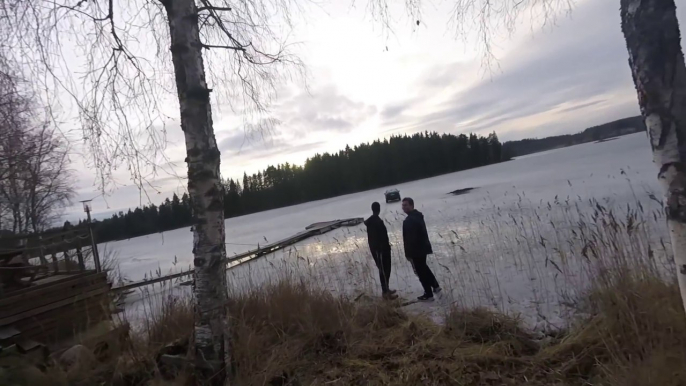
[493, 245]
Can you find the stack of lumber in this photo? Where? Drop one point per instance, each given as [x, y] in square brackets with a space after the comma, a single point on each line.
[57, 307]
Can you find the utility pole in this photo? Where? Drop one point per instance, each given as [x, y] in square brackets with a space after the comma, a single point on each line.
[94, 246]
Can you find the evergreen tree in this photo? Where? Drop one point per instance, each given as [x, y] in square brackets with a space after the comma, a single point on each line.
[366, 166]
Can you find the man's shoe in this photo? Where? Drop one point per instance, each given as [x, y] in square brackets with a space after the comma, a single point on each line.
[438, 290]
[426, 298]
[389, 296]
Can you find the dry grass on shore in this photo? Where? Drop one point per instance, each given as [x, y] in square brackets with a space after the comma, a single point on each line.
[629, 328]
[289, 334]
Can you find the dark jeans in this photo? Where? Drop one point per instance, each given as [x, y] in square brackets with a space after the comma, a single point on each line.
[383, 262]
[426, 277]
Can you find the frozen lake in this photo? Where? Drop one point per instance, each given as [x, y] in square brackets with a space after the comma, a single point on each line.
[487, 242]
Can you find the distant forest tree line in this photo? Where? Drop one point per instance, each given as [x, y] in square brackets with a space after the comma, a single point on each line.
[592, 134]
[367, 166]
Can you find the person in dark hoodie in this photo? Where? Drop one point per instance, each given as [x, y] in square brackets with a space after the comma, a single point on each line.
[417, 248]
[380, 247]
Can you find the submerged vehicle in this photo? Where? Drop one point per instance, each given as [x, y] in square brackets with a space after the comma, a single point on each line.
[392, 195]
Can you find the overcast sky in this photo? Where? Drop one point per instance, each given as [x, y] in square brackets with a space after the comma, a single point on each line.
[364, 84]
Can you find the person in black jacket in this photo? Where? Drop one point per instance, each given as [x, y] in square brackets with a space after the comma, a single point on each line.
[380, 247]
[417, 247]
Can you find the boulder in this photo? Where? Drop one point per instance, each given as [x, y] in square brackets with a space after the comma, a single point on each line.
[77, 359]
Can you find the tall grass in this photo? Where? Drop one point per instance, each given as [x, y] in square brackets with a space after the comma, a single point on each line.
[570, 292]
[532, 259]
[291, 334]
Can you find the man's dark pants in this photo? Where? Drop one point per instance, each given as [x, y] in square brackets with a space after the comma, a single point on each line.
[382, 259]
[426, 277]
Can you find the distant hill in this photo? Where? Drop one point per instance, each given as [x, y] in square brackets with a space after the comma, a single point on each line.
[592, 134]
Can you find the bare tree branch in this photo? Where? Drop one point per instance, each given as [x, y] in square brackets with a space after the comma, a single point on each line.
[223, 47]
[479, 20]
[210, 8]
[93, 60]
[35, 182]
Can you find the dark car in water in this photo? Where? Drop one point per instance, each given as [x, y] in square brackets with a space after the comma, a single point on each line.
[392, 195]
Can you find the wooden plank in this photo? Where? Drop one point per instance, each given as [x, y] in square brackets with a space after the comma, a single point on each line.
[49, 235]
[8, 332]
[26, 345]
[64, 322]
[48, 299]
[59, 330]
[58, 320]
[57, 286]
[89, 307]
[39, 289]
[47, 320]
[47, 280]
[319, 224]
[152, 281]
[72, 311]
[36, 311]
[39, 301]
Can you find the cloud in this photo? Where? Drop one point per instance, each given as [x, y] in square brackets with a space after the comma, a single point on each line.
[236, 141]
[569, 65]
[285, 149]
[395, 111]
[243, 146]
[303, 124]
[325, 109]
[582, 106]
[250, 135]
[440, 76]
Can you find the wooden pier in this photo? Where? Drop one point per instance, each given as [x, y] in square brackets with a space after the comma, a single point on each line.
[233, 261]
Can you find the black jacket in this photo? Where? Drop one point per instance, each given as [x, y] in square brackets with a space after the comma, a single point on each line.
[415, 236]
[377, 235]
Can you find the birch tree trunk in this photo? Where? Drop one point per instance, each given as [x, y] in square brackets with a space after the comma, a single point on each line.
[211, 325]
[652, 37]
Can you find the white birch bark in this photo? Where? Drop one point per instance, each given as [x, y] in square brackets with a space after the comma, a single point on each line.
[211, 333]
[652, 36]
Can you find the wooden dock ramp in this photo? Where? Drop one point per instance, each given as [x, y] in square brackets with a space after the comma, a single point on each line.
[238, 259]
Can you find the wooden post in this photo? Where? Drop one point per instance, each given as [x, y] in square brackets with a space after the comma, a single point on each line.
[55, 265]
[96, 255]
[79, 254]
[67, 260]
[94, 245]
[41, 252]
